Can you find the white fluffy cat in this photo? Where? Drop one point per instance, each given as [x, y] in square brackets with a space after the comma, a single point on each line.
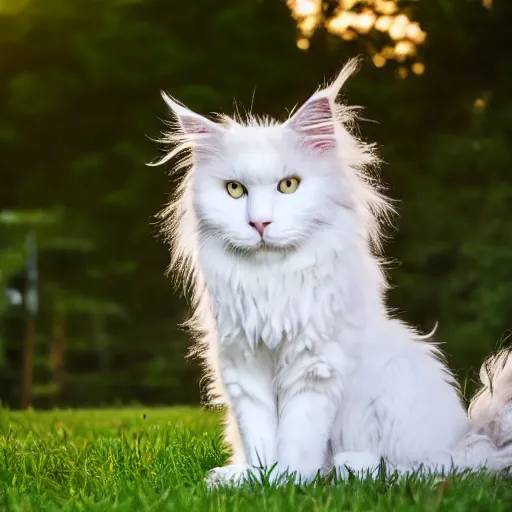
[276, 228]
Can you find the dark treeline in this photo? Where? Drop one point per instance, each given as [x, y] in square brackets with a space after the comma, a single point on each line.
[80, 103]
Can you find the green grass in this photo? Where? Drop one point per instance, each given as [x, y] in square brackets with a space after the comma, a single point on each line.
[156, 459]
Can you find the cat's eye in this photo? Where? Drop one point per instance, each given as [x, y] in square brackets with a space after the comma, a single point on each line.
[235, 189]
[288, 185]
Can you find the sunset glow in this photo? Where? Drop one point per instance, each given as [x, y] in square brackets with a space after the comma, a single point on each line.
[380, 16]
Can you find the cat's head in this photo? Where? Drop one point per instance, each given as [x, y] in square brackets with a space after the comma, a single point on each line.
[262, 186]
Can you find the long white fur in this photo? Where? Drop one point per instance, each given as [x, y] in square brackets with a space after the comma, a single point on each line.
[294, 334]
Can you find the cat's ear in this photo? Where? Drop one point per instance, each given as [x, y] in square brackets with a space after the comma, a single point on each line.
[315, 121]
[202, 130]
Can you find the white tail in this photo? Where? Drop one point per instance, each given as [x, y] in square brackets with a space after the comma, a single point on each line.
[489, 444]
[491, 408]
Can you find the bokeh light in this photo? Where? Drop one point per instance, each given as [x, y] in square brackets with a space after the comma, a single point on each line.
[375, 19]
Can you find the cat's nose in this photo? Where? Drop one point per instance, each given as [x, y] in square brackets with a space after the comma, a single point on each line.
[260, 226]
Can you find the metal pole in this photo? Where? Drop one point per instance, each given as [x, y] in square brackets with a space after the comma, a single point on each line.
[31, 306]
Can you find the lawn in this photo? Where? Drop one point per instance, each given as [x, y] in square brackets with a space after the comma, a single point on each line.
[156, 459]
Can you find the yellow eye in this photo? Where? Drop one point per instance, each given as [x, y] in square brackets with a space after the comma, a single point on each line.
[235, 189]
[288, 185]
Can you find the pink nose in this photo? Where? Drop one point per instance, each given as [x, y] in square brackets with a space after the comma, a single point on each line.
[260, 226]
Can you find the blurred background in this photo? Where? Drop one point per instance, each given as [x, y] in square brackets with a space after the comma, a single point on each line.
[87, 316]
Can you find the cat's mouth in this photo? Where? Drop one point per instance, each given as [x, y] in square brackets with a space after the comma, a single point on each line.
[265, 245]
[272, 246]
[261, 248]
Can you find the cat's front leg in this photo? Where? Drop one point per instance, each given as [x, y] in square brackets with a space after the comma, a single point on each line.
[248, 381]
[310, 392]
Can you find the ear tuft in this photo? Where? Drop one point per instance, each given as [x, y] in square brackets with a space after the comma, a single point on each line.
[349, 69]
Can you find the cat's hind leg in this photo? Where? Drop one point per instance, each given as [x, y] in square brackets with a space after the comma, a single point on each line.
[361, 464]
[365, 464]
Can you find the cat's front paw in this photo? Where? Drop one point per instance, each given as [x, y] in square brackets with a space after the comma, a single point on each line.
[232, 475]
[361, 464]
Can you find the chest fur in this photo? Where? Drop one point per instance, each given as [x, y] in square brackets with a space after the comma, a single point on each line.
[272, 305]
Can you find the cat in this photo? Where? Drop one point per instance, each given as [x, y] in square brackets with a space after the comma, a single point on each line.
[276, 231]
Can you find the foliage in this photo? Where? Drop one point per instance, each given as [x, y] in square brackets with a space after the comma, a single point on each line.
[156, 459]
[80, 103]
[14, 226]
